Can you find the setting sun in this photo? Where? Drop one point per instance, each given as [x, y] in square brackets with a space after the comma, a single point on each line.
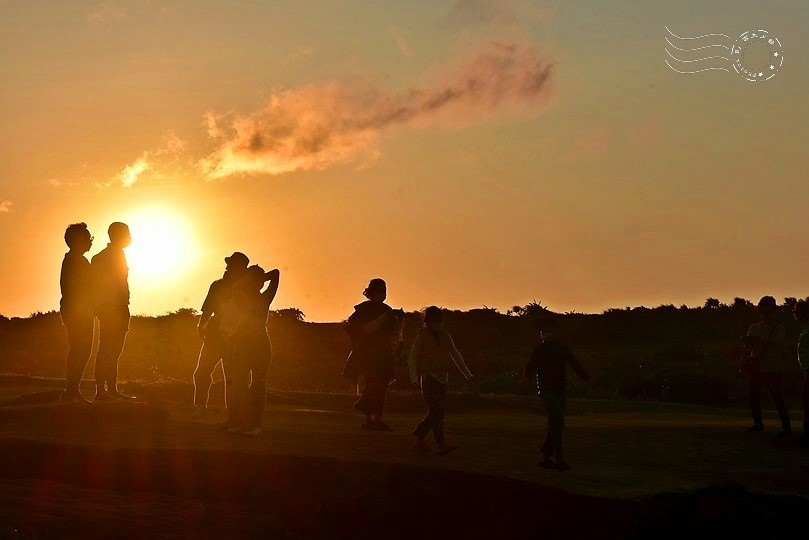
[162, 245]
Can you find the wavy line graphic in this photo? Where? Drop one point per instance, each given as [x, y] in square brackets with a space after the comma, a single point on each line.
[695, 37]
[698, 62]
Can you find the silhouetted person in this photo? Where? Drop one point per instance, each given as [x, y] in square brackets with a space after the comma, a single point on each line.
[802, 316]
[208, 328]
[77, 308]
[249, 348]
[111, 275]
[430, 357]
[372, 329]
[548, 362]
[765, 341]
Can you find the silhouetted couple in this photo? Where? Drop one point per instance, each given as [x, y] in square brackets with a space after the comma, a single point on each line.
[233, 326]
[95, 290]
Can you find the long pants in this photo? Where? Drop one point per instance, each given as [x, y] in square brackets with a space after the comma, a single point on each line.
[80, 341]
[211, 353]
[555, 411]
[372, 400]
[246, 371]
[805, 403]
[773, 380]
[113, 325]
[435, 394]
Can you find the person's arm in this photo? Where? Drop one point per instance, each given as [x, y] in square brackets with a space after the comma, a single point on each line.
[269, 293]
[413, 359]
[577, 367]
[457, 358]
[376, 324]
[207, 311]
[531, 365]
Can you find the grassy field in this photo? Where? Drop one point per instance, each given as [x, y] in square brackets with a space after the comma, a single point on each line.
[620, 451]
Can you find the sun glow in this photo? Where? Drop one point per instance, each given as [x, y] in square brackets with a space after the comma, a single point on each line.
[163, 247]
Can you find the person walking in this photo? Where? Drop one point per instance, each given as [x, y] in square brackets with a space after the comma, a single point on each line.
[429, 361]
[249, 348]
[111, 275]
[764, 342]
[372, 329]
[802, 316]
[547, 364]
[208, 328]
[76, 308]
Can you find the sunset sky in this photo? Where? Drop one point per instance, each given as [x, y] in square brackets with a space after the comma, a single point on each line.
[472, 152]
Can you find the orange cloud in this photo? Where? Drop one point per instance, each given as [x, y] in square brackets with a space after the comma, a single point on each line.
[593, 143]
[132, 172]
[5, 206]
[317, 126]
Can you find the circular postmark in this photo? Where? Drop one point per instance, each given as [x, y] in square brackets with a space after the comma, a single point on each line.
[757, 55]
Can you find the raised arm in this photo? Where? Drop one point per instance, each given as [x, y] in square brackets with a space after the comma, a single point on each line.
[273, 276]
[457, 358]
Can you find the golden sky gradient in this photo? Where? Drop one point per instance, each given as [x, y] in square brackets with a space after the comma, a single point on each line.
[470, 152]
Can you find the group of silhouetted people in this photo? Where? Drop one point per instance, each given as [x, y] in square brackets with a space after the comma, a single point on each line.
[233, 327]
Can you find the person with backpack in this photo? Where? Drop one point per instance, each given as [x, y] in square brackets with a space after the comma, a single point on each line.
[430, 357]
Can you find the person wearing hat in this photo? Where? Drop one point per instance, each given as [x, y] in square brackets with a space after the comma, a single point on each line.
[765, 342]
[249, 350]
[111, 275]
[208, 328]
[372, 328]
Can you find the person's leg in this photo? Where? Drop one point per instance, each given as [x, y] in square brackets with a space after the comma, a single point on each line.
[228, 367]
[113, 327]
[361, 405]
[424, 427]
[375, 389]
[754, 383]
[260, 367]
[439, 409]
[805, 404]
[554, 408]
[80, 342]
[775, 385]
[210, 355]
[239, 388]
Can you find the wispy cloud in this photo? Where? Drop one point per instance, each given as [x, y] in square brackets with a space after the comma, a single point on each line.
[592, 143]
[5, 206]
[496, 14]
[132, 172]
[401, 43]
[171, 146]
[107, 12]
[317, 126]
